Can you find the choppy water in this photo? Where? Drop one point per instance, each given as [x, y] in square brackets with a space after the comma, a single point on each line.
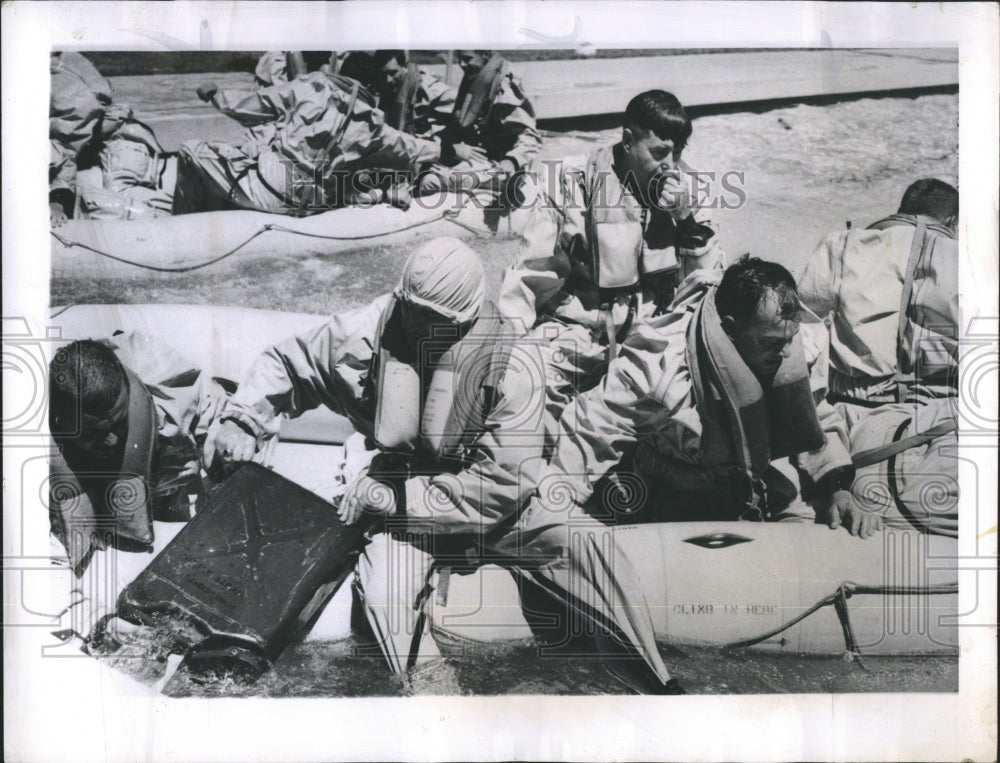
[348, 668]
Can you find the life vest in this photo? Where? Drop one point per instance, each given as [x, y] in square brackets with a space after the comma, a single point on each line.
[400, 112]
[475, 97]
[626, 241]
[744, 427]
[438, 418]
[90, 509]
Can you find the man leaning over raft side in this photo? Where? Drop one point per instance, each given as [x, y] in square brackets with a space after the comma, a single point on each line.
[718, 408]
[308, 143]
[130, 418]
[391, 368]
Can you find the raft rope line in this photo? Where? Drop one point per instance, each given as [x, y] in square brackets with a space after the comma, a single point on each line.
[447, 215]
[839, 601]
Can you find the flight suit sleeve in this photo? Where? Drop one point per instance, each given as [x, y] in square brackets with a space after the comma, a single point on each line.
[835, 452]
[394, 149]
[514, 117]
[818, 285]
[440, 105]
[602, 426]
[499, 480]
[301, 373]
[250, 108]
[555, 222]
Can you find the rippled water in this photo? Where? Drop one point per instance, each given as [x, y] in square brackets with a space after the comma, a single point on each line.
[350, 668]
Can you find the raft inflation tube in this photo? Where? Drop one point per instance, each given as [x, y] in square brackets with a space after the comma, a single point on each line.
[799, 588]
[175, 245]
[221, 341]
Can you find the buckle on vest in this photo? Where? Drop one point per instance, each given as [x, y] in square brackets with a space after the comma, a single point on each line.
[754, 497]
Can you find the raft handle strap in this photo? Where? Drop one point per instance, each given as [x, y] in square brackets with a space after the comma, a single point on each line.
[839, 600]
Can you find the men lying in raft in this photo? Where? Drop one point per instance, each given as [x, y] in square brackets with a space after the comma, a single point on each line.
[130, 418]
[394, 369]
[605, 247]
[492, 132]
[709, 412]
[894, 354]
[86, 129]
[310, 140]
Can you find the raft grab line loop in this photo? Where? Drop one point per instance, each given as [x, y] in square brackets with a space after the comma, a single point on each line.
[839, 600]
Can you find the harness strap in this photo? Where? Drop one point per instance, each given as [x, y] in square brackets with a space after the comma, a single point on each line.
[897, 446]
[916, 248]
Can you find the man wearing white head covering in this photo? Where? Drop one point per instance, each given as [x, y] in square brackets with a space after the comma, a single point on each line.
[431, 389]
[336, 365]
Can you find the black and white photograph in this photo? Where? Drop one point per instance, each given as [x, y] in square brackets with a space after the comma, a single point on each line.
[497, 381]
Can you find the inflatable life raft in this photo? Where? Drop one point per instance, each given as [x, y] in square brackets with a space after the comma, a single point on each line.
[173, 245]
[796, 588]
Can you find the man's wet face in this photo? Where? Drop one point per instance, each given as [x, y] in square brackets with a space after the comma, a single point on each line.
[647, 157]
[766, 340]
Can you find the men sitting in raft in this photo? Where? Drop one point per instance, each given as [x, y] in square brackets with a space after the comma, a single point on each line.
[309, 141]
[130, 418]
[605, 246]
[86, 129]
[894, 354]
[711, 411]
[394, 368]
[492, 133]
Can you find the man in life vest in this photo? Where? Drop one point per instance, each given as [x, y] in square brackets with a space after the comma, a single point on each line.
[87, 130]
[890, 295]
[309, 143]
[608, 240]
[130, 418]
[396, 368]
[712, 411]
[491, 135]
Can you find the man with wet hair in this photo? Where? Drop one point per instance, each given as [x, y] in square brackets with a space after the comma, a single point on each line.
[714, 410]
[129, 417]
[890, 294]
[609, 238]
[492, 133]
